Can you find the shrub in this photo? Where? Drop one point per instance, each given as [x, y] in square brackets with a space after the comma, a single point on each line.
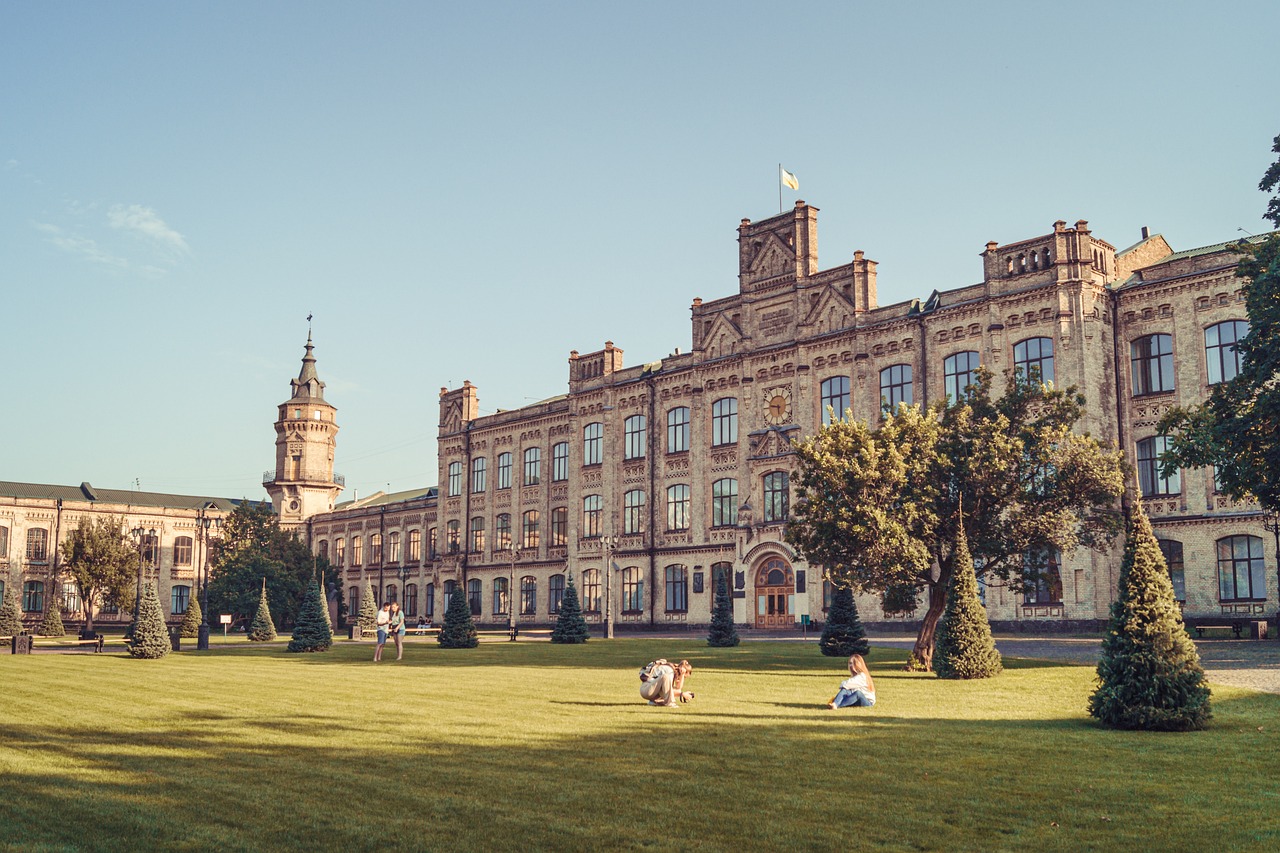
[10, 612]
[150, 635]
[1149, 675]
[368, 617]
[263, 630]
[459, 631]
[52, 625]
[312, 633]
[964, 647]
[570, 626]
[723, 633]
[843, 634]
[191, 620]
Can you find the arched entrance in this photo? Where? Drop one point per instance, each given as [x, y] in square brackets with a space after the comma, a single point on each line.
[775, 594]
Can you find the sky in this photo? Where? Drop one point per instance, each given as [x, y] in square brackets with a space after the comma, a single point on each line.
[469, 191]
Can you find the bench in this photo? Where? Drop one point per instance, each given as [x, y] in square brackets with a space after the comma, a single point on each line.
[422, 632]
[510, 633]
[1235, 627]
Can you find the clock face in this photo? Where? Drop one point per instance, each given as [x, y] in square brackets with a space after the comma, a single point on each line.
[777, 405]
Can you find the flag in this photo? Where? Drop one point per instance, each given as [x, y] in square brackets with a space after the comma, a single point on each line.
[789, 180]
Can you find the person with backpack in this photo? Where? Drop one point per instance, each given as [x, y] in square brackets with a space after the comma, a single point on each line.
[662, 682]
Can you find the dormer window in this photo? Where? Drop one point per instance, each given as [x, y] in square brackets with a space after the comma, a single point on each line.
[297, 414]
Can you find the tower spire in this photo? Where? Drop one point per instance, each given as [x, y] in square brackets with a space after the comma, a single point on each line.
[308, 384]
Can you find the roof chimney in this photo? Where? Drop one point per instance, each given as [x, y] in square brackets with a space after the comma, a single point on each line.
[1145, 232]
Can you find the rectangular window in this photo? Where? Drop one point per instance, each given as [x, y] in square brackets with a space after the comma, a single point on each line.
[1172, 551]
[555, 594]
[1151, 360]
[501, 597]
[777, 496]
[533, 466]
[678, 507]
[375, 549]
[1149, 480]
[528, 596]
[635, 437]
[357, 550]
[724, 503]
[182, 551]
[179, 598]
[592, 444]
[959, 372]
[677, 589]
[33, 596]
[530, 529]
[632, 591]
[591, 591]
[1222, 359]
[559, 526]
[455, 479]
[411, 599]
[453, 536]
[895, 386]
[415, 546]
[592, 516]
[4, 543]
[504, 471]
[38, 545]
[477, 535]
[633, 512]
[1043, 578]
[433, 543]
[560, 462]
[1241, 571]
[502, 532]
[1033, 360]
[339, 552]
[479, 474]
[678, 430]
[724, 421]
[70, 597]
[473, 596]
[393, 547]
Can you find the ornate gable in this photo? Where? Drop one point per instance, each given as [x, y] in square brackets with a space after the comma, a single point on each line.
[723, 338]
[830, 312]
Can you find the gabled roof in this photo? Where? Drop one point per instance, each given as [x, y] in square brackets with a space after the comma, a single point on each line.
[86, 493]
[383, 498]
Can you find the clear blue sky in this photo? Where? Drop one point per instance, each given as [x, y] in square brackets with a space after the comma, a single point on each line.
[471, 190]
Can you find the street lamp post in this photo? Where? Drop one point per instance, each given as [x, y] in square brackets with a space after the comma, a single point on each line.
[608, 543]
[511, 590]
[403, 573]
[1271, 521]
[203, 523]
[143, 535]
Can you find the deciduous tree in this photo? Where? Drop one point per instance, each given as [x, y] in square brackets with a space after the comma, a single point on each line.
[102, 562]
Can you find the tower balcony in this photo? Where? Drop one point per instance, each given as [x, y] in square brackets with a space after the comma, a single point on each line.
[269, 477]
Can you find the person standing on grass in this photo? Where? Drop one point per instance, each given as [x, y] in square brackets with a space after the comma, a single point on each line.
[384, 618]
[857, 689]
[396, 628]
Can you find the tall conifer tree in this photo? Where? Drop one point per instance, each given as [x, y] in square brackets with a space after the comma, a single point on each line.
[10, 611]
[311, 633]
[459, 631]
[570, 626]
[368, 618]
[723, 633]
[843, 634]
[150, 634]
[52, 625]
[965, 647]
[263, 629]
[191, 620]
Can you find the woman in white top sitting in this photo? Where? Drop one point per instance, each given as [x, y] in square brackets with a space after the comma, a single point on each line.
[858, 689]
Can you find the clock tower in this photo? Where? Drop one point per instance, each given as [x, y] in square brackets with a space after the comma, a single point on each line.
[304, 483]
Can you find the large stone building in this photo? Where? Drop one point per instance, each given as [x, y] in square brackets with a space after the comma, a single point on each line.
[648, 482]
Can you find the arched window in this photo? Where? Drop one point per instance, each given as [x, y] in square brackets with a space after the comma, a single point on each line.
[777, 496]
[501, 597]
[415, 546]
[502, 532]
[479, 475]
[322, 550]
[393, 547]
[559, 526]
[724, 421]
[179, 599]
[455, 479]
[895, 386]
[591, 591]
[182, 551]
[1150, 482]
[1172, 551]
[592, 444]
[724, 502]
[353, 600]
[635, 437]
[1241, 572]
[339, 552]
[560, 462]
[473, 596]
[592, 516]
[375, 549]
[429, 602]
[678, 507]
[1151, 361]
[532, 466]
[678, 430]
[633, 511]
[450, 587]
[958, 374]
[477, 535]
[677, 579]
[1220, 352]
[504, 471]
[555, 594]
[389, 594]
[357, 550]
[1033, 360]
[530, 529]
[433, 543]
[411, 599]
[835, 398]
[528, 595]
[632, 590]
[453, 536]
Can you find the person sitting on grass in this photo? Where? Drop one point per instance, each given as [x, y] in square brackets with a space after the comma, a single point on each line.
[858, 689]
[662, 682]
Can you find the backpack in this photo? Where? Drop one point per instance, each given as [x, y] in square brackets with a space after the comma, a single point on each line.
[649, 671]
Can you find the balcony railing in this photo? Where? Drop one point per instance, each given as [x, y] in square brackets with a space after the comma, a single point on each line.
[269, 477]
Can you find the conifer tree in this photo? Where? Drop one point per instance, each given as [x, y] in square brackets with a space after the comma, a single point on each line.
[570, 626]
[843, 635]
[459, 631]
[368, 618]
[965, 648]
[311, 633]
[10, 612]
[150, 634]
[191, 620]
[263, 630]
[1149, 675]
[52, 625]
[723, 633]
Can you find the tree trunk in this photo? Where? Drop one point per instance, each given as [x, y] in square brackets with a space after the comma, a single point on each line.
[928, 635]
[86, 602]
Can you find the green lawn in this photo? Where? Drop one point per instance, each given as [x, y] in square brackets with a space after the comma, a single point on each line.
[532, 746]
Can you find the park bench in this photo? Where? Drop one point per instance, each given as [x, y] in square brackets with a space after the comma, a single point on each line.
[423, 632]
[97, 641]
[510, 633]
[1235, 627]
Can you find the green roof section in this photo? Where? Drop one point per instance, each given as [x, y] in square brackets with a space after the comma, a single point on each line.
[86, 493]
[384, 499]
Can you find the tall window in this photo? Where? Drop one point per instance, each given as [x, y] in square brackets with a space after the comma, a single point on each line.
[678, 430]
[1033, 359]
[339, 551]
[4, 542]
[592, 516]
[33, 596]
[528, 595]
[635, 437]
[450, 587]
[560, 462]
[411, 599]
[353, 600]
[455, 479]
[479, 474]
[375, 549]
[895, 386]
[532, 466]
[415, 546]
[1220, 349]
[777, 496]
[390, 594]
[150, 549]
[559, 526]
[724, 421]
[835, 398]
[38, 545]
[179, 598]
[633, 511]
[677, 589]
[555, 594]
[473, 596]
[502, 532]
[182, 551]
[1172, 551]
[592, 444]
[958, 374]
[1241, 573]
[724, 502]
[678, 507]
[632, 590]
[722, 570]
[357, 550]
[1151, 360]
[530, 529]
[70, 597]
[393, 547]
[504, 471]
[501, 597]
[477, 535]
[591, 591]
[433, 543]
[1149, 480]
[453, 536]
[1043, 578]
[429, 602]
[322, 550]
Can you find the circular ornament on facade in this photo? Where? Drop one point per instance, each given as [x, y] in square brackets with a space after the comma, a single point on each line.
[777, 405]
[293, 505]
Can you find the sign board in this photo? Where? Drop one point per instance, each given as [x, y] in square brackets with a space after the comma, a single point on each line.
[804, 619]
[225, 618]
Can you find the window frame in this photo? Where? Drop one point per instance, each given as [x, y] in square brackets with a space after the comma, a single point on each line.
[1150, 484]
[834, 402]
[502, 480]
[1255, 569]
[560, 462]
[635, 437]
[1220, 353]
[1151, 365]
[676, 582]
[532, 466]
[952, 375]
[724, 502]
[633, 512]
[776, 492]
[678, 428]
[724, 422]
[593, 444]
[479, 475]
[900, 389]
[679, 515]
[1024, 360]
[592, 516]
